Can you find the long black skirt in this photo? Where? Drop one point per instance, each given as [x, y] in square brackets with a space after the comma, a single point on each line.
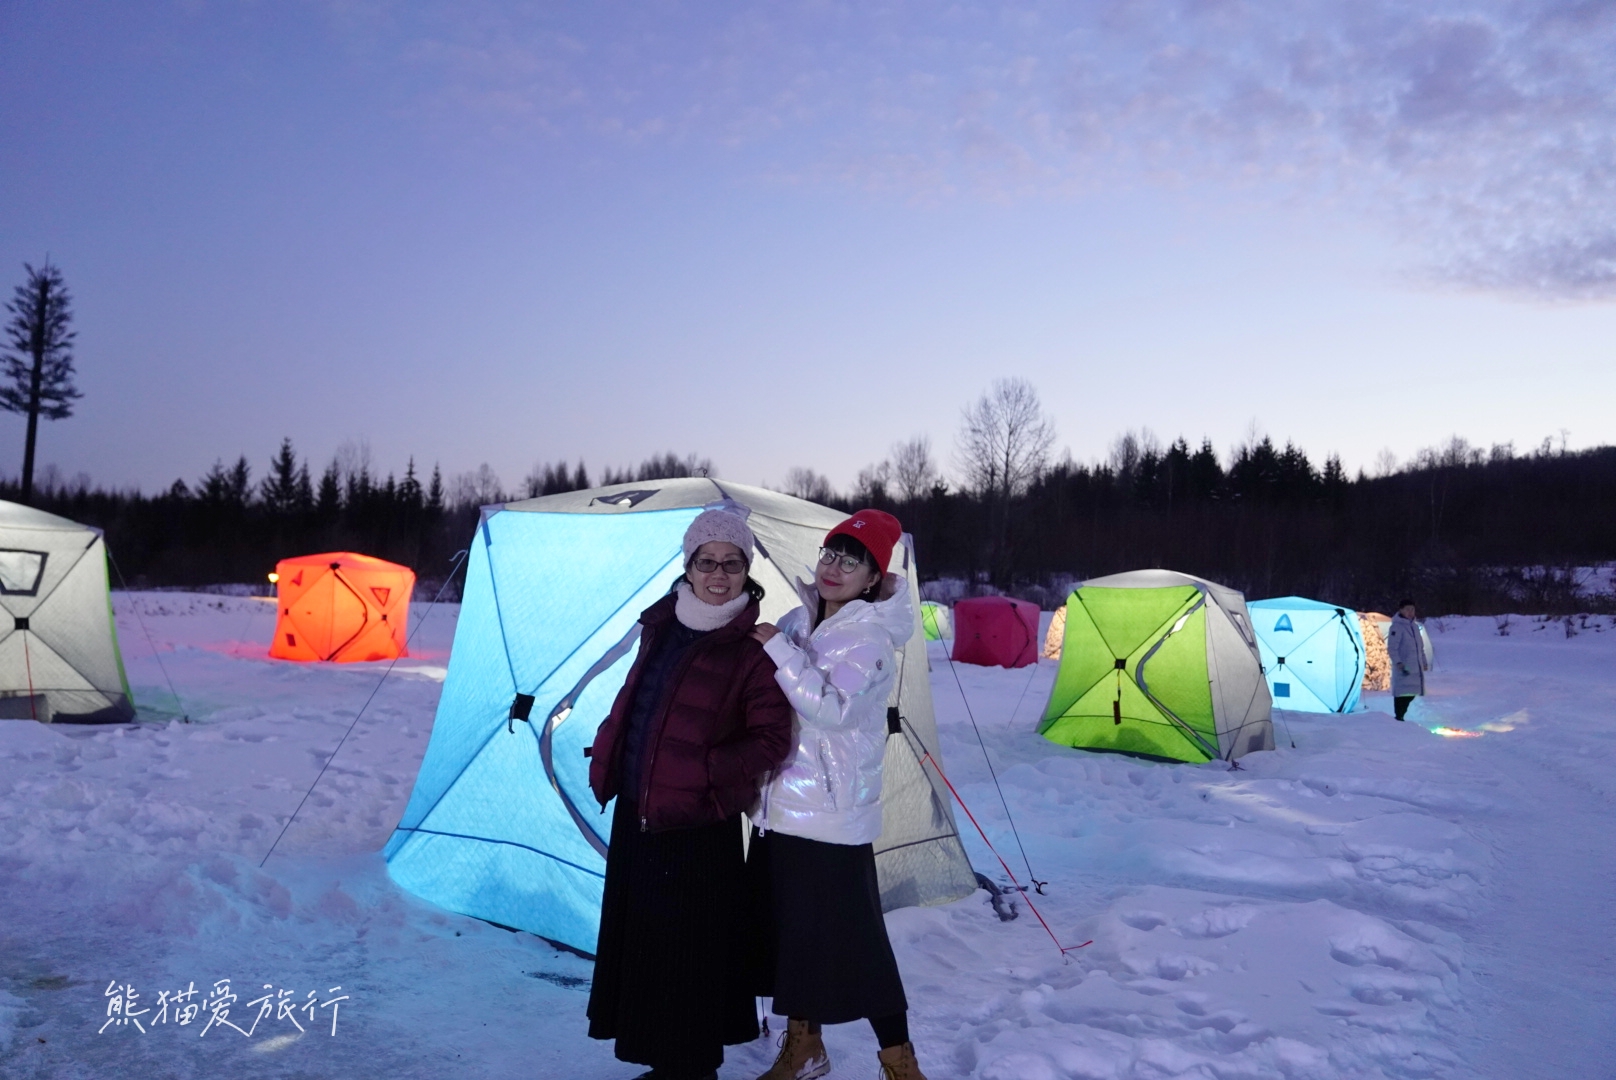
[825, 957]
[671, 974]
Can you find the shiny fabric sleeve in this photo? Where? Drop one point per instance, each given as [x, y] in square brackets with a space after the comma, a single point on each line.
[825, 697]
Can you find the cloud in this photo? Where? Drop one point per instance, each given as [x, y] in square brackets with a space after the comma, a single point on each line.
[1484, 131]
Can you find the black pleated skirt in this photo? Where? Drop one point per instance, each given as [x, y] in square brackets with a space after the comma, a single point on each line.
[672, 977]
[824, 954]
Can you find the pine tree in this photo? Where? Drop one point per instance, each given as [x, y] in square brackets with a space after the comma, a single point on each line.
[303, 493]
[215, 487]
[434, 493]
[39, 362]
[409, 489]
[357, 496]
[240, 490]
[328, 503]
[1206, 474]
[279, 488]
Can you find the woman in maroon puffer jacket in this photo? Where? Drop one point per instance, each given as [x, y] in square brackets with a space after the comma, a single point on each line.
[699, 722]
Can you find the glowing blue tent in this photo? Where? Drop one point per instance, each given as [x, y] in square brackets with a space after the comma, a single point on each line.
[1312, 653]
[501, 824]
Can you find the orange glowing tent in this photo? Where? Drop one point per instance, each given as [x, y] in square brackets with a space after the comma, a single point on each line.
[341, 607]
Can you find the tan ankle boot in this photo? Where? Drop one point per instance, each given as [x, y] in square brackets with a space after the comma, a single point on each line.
[898, 1063]
[802, 1054]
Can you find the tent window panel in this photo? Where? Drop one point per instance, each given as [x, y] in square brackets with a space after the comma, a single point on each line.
[21, 571]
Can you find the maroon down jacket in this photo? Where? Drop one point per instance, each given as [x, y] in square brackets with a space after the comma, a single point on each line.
[723, 724]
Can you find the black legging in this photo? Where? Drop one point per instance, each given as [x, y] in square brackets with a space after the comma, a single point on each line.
[891, 1030]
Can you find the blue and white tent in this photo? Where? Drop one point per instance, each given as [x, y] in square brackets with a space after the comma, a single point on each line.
[502, 825]
[1312, 653]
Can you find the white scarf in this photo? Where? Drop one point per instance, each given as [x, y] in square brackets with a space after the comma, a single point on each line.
[700, 615]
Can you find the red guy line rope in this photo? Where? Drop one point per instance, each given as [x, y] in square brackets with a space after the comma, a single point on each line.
[1024, 894]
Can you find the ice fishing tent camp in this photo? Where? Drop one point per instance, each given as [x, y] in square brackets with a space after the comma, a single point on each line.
[1162, 665]
[501, 824]
[995, 631]
[341, 607]
[1312, 653]
[935, 621]
[59, 659]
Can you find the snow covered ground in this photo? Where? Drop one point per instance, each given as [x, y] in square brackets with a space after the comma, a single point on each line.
[1378, 901]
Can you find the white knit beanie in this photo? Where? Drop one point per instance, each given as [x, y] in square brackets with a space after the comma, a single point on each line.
[722, 520]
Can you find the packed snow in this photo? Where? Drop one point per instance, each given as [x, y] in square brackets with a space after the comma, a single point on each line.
[1377, 900]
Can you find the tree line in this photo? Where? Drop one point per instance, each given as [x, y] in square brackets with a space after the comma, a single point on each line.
[1464, 530]
[233, 524]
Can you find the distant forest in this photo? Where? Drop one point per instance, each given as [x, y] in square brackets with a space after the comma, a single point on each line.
[1464, 531]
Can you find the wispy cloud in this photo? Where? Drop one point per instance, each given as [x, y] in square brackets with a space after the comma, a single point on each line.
[1482, 130]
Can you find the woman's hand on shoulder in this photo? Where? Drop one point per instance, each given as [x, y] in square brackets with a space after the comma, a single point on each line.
[762, 632]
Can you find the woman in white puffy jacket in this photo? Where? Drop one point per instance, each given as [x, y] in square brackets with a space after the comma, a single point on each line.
[826, 958]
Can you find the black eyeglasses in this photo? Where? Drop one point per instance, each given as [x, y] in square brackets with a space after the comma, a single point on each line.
[705, 565]
[849, 563]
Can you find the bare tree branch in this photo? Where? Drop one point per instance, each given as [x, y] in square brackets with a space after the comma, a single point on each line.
[1004, 439]
[807, 484]
[914, 473]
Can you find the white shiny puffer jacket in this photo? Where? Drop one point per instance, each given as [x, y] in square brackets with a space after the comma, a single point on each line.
[838, 679]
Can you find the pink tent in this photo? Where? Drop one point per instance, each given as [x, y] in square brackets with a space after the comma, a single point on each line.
[993, 630]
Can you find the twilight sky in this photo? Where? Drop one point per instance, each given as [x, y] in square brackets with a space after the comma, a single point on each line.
[782, 234]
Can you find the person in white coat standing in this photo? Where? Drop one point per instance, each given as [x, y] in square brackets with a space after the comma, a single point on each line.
[825, 958]
[1407, 654]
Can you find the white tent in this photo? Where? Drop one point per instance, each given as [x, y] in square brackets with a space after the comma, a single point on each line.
[501, 823]
[59, 660]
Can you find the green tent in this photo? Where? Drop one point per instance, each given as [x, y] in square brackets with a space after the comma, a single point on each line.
[1162, 665]
[934, 618]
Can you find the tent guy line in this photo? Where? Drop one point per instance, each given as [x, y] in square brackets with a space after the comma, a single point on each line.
[185, 717]
[1038, 885]
[453, 570]
[1022, 889]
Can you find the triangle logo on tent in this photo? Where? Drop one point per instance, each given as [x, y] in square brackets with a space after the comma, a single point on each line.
[297, 578]
[1284, 623]
[381, 593]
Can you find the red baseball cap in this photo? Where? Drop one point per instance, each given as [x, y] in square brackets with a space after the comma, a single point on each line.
[877, 530]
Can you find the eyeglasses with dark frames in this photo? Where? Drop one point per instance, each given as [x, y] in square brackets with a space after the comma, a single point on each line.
[706, 565]
[848, 563]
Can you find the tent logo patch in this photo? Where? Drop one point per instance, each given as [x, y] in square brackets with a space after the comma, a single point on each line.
[1284, 623]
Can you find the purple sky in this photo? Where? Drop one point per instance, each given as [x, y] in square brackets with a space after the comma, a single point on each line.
[793, 234]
